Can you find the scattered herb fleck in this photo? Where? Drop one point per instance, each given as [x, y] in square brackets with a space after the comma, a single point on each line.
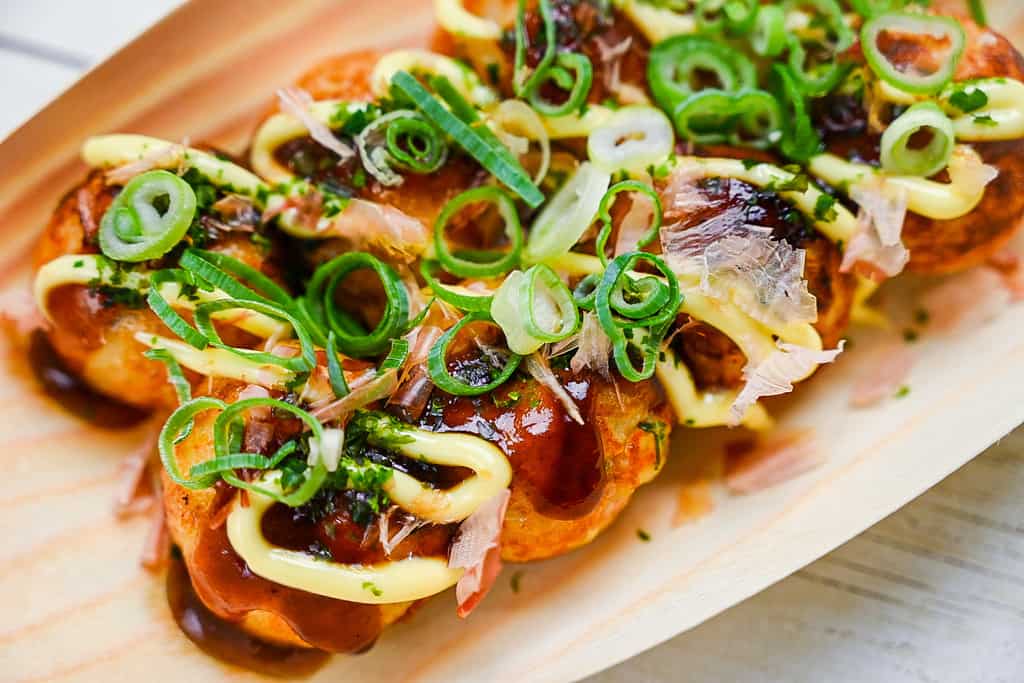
[643, 535]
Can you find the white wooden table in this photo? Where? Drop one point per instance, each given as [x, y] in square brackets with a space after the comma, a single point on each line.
[933, 593]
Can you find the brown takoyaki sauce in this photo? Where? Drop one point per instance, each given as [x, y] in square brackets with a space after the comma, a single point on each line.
[226, 641]
[74, 395]
[556, 461]
[225, 584]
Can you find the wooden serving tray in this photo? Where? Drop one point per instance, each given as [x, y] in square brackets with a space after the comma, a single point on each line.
[76, 605]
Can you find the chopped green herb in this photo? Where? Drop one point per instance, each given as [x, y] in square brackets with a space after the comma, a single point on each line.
[910, 335]
[515, 581]
[643, 535]
[79, 263]
[921, 316]
[370, 586]
[985, 120]
[902, 391]
[825, 208]
[968, 100]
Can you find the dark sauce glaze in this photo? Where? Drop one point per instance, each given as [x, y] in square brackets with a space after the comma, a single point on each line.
[226, 641]
[842, 122]
[556, 461]
[71, 393]
[224, 583]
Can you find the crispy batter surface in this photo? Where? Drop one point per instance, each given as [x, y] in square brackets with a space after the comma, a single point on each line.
[94, 335]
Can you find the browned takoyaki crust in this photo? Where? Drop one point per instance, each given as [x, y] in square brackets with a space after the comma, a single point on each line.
[943, 246]
[713, 358]
[324, 527]
[94, 328]
[569, 481]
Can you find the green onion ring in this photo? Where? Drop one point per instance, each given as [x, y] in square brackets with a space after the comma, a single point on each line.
[734, 16]
[819, 80]
[163, 310]
[585, 291]
[616, 270]
[437, 362]
[706, 117]
[396, 356]
[463, 302]
[760, 123]
[674, 61]
[134, 230]
[521, 83]
[175, 376]
[334, 370]
[233, 413]
[899, 159]
[977, 8]
[305, 362]
[177, 424]
[418, 159]
[314, 480]
[462, 267]
[869, 8]
[919, 24]
[650, 293]
[494, 157]
[351, 338]
[604, 214]
[768, 36]
[578, 85]
[224, 272]
[541, 276]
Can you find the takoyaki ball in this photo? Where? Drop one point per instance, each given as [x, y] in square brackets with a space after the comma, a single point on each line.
[93, 328]
[419, 196]
[712, 357]
[325, 527]
[943, 246]
[569, 481]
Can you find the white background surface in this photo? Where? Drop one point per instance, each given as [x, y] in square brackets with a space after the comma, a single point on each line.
[933, 593]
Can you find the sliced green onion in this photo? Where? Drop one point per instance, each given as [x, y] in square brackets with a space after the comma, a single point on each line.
[334, 371]
[495, 160]
[321, 304]
[717, 16]
[487, 264]
[303, 363]
[180, 422]
[315, 477]
[564, 219]
[523, 80]
[800, 141]
[605, 215]
[577, 84]
[977, 8]
[759, 124]
[463, 302]
[534, 308]
[231, 415]
[636, 312]
[632, 139]
[586, 290]
[175, 376]
[896, 155]
[437, 362]
[706, 117]
[869, 8]
[133, 229]
[396, 356]
[416, 145]
[163, 310]
[225, 273]
[768, 37]
[906, 77]
[816, 81]
[675, 63]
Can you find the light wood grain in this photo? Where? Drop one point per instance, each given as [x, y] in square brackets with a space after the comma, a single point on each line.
[36, 582]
